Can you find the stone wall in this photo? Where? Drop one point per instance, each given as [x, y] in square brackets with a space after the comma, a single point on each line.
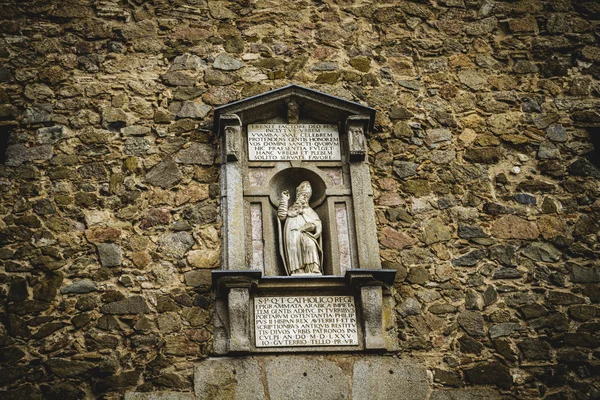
[486, 203]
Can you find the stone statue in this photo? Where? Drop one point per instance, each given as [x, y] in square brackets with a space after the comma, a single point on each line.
[300, 238]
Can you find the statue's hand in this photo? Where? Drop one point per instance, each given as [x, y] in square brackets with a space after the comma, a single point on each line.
[308, 227]
[285, 196]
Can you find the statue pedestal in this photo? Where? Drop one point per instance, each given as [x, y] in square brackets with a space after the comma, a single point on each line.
[261, 314]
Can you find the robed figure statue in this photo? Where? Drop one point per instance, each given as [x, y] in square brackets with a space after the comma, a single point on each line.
[300, 238]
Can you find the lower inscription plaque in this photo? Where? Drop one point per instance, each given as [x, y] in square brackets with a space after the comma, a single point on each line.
[305, 321]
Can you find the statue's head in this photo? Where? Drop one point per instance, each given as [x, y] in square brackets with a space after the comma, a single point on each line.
[304, 191]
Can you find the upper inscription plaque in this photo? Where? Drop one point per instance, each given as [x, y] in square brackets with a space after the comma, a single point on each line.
[283, 142]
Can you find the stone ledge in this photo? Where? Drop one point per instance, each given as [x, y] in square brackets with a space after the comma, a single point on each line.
[159, 396]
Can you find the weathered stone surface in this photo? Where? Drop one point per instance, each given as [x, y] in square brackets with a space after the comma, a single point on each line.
[81, 286]
[404, 169]
[507, 273]
[492, 373]
[165, 174]
[470, 259]
[198, 278]
[227, 63]
[395, 240]
[583, 167]
[64, 367]
[513, 227]
[110, 254]
[176, 244]
[504, 329]
[222, 378]
[159, 396]
[541, 251]
[131, 305]
[409, 378]
[197, 153]
[192, 109]
[435, 230]
[564, 298]
[483, 155]
[472, 323]
[180, 78]
[535, 349]
[465, 394]
[580, 274]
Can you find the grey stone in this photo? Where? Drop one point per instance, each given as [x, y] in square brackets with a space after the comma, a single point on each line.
[165, 174]
[404, 169]
[135, 130]
[64, 367]
[38, 114]
[229, 378]
[296, 377]
[187, 62]
[541, 251]
[136, 146]
[548, 151]
[227, 63]
[191, 109]
[50, 134]
[504, 329]
[473, 79]
[535, 349]
[180, 78]
[199, 277]
[81, 286]
[17, 154]
[442, 157]
[324, 66]
[437, 135]
[471, 322]
[580, 274]
[110, 254]
[465, 394]
[490, 295]
[469, 232]
[564, 298]
[506, 273]
[131, 305]
[525, 198]
[436, 230]
[402, 378]
[470, 259]
[159, 396]
[197, 153]
[557, 133]
[412, 85]
[492, 373]
[505, 254]
[176, 244]
[410, 307]
[473, 300]
[583, 167]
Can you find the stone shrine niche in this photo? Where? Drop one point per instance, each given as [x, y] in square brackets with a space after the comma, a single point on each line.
[298, 224]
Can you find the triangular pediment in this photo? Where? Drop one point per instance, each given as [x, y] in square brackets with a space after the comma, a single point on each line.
[313, 105]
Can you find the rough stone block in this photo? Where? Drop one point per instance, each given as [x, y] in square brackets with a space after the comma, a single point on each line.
[298, 377]
[466, 394]
[387, 378]
[159, 396]
[229, 378]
